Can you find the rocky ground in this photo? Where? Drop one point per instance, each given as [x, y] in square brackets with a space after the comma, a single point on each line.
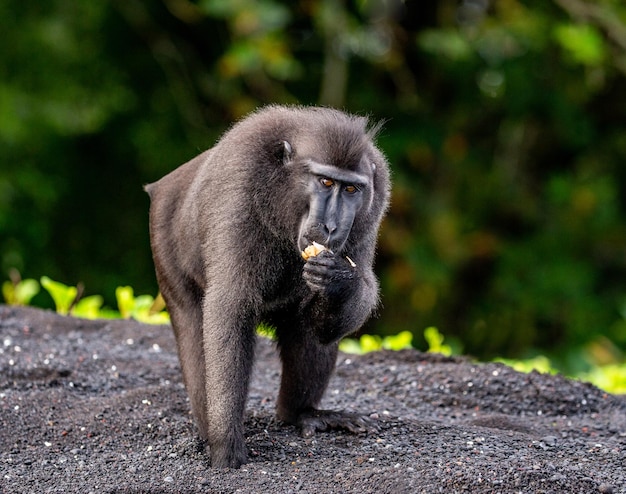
[98, 406]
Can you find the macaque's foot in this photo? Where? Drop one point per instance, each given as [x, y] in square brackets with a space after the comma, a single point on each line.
[231, 454]
[313, 421]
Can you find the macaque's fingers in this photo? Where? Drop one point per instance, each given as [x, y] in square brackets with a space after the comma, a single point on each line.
[308, 429]
[316, 285]
[320, 267]
[331, 261]
[327, 420]
[327, 271]
[315, 277]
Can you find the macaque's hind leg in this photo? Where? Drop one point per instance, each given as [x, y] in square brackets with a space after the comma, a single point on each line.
[187, 323]
[307, 367]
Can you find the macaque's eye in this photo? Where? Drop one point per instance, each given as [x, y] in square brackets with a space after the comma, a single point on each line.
[327, 182]
[351, 189]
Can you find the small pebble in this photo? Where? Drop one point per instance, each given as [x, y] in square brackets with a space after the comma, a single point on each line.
[550, 441]
[605, 488]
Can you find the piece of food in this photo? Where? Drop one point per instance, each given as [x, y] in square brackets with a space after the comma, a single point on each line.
[313, 250]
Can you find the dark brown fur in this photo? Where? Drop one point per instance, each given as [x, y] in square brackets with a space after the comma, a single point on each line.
[224, 230]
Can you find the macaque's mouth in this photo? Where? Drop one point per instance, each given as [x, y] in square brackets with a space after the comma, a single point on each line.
[305, 242]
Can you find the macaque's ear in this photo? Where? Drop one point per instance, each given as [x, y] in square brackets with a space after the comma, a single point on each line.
[287, 152]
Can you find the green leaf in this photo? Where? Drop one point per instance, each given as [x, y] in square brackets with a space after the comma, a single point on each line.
[350, 345]
[8, 292]
[266, 331]
[435, 342]
[582, 42]
[448, 43]
[20, 293]
[540, 363]
[143, 303]
[62, 295]
[400, 341]
[371, 343]
[139, 308]
[125, 300]
[89, 307]
[611, 378]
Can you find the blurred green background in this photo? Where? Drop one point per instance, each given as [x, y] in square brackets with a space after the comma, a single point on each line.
[505, 128]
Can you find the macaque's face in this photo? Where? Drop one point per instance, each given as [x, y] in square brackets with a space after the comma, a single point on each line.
[335, 198]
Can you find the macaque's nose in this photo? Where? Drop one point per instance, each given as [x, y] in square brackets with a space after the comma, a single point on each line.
[330, 227]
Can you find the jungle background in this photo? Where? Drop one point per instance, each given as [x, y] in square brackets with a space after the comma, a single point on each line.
[505, 126]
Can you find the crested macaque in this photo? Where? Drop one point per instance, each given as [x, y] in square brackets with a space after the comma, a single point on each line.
[229, 232]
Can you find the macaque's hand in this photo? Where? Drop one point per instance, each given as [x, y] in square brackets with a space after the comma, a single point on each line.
[329, 274]
[312, 250]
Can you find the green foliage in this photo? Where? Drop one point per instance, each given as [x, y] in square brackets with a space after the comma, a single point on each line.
[90, 308]
[373, 343]
[19, 292]
[400, 341]
[259, 45]
[583, 42]
[64, 296]
[539, 363]
[449, 43]
[365, 344]
[505, 128]
[142, 308]
[68, 301]
[435, 339]
[351, 345]
[266, 331]
[611, 378]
